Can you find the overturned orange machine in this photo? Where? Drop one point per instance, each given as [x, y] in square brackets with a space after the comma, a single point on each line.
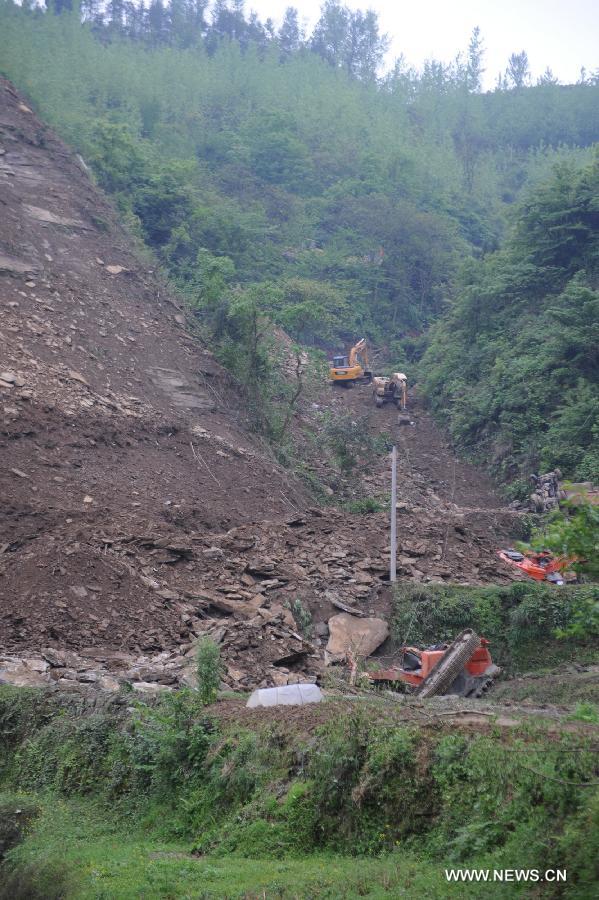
[463, 667]
[543, 566]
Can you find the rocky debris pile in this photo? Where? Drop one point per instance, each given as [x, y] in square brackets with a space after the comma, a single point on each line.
[263, 651]
[35, 379]
[102, 669]
[225, 448]
[141, 592]
[260, 648]
[309, 559]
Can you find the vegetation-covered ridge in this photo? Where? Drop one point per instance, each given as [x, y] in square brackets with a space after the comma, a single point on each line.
[514, 366]
[281, 175]
[359, 784]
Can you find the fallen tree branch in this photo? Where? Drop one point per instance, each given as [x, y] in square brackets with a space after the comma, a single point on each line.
[347, 609]
[199, 458]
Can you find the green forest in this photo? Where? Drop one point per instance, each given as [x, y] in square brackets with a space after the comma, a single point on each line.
[289, 175]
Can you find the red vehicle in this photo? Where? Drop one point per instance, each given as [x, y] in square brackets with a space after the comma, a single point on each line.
[542, 566]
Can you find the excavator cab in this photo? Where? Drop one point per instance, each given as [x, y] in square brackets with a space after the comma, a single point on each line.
[339, 361]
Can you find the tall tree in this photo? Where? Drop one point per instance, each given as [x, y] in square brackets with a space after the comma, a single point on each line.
[59, 6]
[290, 34]
[518, 70]
[365, 46]
[158, 19]
[474, 64]
[329, 38]
[349, 40]
[187, 22]
[227, 22]
[547, 77]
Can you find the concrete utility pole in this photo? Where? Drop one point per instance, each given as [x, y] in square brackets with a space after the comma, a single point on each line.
[393, 564]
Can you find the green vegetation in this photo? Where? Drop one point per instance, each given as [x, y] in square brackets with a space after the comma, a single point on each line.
[514, 367]
[302, 617]
[364, 506]
[189, 797]
[99, 860]
[529, 625]
[209, 669]
[278, 176]
[586, 712]
[573, 531]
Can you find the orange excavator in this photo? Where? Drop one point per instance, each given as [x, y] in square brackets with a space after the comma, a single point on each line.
[542, 566]
[356, 370]
[464, 667]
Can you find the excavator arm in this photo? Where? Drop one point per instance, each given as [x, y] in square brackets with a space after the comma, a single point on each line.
[359, 349]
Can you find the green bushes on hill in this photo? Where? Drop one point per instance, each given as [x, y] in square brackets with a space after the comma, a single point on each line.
[363, 783]
[523, 622]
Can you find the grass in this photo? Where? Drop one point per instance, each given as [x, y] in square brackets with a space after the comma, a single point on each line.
[170, 802]
[559, 688]
[73, 852]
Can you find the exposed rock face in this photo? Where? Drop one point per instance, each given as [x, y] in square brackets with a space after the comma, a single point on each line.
[19, 673]
[360, 636]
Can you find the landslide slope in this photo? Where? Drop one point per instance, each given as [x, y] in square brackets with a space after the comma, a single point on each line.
[138, 511]
[113, 420]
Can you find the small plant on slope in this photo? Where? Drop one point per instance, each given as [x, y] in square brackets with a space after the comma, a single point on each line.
[208, 669]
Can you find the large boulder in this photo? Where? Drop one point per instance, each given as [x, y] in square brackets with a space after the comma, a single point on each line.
[19, 674]
[348, 633]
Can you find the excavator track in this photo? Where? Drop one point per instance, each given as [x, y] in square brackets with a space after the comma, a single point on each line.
[440, 679]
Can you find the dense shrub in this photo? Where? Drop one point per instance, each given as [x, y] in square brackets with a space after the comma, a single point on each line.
[523, 621]
[359, 784]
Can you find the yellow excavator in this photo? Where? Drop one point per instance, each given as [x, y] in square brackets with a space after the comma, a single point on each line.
[390, 390]
[347, 372]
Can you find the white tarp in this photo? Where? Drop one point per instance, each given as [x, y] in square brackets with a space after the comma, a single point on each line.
[288, 695]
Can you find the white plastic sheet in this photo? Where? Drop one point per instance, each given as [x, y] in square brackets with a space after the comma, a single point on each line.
[288, 695]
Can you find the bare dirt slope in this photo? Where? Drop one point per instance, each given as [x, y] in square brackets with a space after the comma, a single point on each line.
[113, 418]
[137, 510]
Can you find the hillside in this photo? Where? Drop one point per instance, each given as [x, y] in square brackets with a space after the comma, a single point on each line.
[513, 367]
[140, 511]
[191, 510]
[277, 174]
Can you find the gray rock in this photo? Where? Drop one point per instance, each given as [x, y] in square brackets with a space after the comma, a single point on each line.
[360, 636]
[145, 687]
[108, 683]
[20, 675]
